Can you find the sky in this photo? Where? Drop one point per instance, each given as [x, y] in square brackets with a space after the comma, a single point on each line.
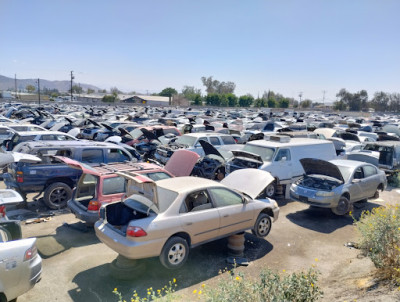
[287, 46]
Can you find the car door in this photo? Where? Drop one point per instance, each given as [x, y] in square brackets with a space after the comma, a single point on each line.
[199, 218]
[371, 180]
[235, 215]
[282, 166]
[359, 185]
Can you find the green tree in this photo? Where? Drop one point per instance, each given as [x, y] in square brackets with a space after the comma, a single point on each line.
[190, 92]
[198, 101]
[90, 91]
[213, 99]
[395, 102]
[306, 104]
[260, 102]
[168, 92]
[102, 91]
[380, 102]
[246, 100]
[30, 88]
[224, 102]
[232, 100]
[284, 103]
[109, 99]
[272, 102]
[115, 91]
[77, 89]
[339, 105]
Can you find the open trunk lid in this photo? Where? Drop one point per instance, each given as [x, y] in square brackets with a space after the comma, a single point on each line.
[249, 181]
[143, 187]
[10, 197]
[182, 162]
[321, 167]
[15, 157]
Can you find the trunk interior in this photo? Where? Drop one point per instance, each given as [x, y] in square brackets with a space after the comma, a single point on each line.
[119, 215]
[319, 183]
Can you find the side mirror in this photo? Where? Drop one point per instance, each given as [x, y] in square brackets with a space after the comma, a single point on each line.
[283, 159]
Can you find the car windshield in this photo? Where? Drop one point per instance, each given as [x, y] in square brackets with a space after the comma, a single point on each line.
[186, 140]
[346, 172]
[266, 153]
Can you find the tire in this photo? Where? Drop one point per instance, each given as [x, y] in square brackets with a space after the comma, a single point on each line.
[56, 195]
[270, 190]
[376, 195]
[174, 253]
[263, 225]
[343, 207]
[4, 235]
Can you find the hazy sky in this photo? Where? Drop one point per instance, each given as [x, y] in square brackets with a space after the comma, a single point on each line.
[285, 46]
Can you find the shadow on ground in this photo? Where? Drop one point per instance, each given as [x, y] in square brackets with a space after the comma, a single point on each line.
[205, 262]
[324, 221]
[67, 236]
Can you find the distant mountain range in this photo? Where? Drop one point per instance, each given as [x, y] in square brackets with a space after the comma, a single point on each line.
[62, 86]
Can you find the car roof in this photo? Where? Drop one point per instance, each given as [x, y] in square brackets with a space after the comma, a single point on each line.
[385, 143]
[202, 134]
[348, 163]
[77, 143]
[128, 167]
[293, 142]
[23, 133]
[187, 183]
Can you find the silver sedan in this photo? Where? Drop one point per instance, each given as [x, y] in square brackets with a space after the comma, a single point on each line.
[337, 184]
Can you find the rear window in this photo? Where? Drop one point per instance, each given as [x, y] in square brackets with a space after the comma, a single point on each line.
[114, 185]
[87, 186]
[157, 176]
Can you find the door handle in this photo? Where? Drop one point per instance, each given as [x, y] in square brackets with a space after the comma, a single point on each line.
[189, 223]
[226, 215]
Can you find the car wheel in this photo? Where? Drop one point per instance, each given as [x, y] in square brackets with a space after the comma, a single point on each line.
[263, 225]
[56, 195]
[270, 190]
[343, 206]
[376, 195]
[174, 253]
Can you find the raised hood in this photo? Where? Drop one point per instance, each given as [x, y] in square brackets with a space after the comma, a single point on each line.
[249, 181]
[247, 155]
[9, 197]
[321, 167]
[182, 162]
[15, 157]
[209, 149]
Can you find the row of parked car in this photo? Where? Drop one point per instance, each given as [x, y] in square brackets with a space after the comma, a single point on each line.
[166, 180]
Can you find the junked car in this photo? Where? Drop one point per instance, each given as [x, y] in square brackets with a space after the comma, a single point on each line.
[337, 184]
[167, 217]
[101, 185]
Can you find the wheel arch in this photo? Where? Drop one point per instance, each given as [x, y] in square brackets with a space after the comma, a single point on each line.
[183, 235]
[68, 181]
[346, 194]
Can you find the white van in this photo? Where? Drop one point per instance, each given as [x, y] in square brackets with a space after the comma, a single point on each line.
[280, 155]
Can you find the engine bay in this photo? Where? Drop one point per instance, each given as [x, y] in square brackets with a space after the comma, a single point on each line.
[319, 183]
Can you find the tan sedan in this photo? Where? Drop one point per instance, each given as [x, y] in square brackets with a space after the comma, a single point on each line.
[166, 217]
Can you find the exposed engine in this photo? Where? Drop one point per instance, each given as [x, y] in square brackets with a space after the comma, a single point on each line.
[318, 183]
[245, 163]
[211, 167]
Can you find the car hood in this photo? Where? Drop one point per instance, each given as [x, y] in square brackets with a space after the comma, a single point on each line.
[15, 157]
[209, 149]
[247, 155]
[321, 167]
[182, 162]
[249, 181]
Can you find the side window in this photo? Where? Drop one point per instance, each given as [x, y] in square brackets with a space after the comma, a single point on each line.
[358, 174]
[369, 171]
[197, 201]
[117, 156]
[283, 153]
[113, 185]
[48, 137]
[92, 156]
[223, 197]
[228, 140]
[214, 141]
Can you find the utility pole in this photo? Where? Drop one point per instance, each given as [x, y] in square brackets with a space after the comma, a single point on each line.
[15, 85]
[323, 97]
[300, 95]
[72, 77]
[38, 83]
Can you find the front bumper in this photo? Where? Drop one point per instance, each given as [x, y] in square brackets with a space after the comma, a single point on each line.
[311, 199]
[82, 213]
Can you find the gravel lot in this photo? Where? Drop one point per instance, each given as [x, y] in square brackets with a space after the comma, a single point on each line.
[76, 264]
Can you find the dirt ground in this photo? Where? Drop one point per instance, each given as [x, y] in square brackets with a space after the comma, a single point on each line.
[76, 266]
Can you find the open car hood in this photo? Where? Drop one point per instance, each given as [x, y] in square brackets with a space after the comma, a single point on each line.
[15, 157]
[321, 167]
[209, 149]
[247, 155]
[148, 134]
[249, 181]
[182, 162]
[8, 197]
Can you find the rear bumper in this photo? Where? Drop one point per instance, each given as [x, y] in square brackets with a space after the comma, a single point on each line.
[82, 213]
[125, 247]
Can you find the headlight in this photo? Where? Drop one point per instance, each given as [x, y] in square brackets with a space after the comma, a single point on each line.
[293, 187]
[324, 194]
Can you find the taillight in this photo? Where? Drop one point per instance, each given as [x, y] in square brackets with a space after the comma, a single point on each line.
[20, 176]
[134, 231]
[30, 253]
[93, 206]
[2, 211]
